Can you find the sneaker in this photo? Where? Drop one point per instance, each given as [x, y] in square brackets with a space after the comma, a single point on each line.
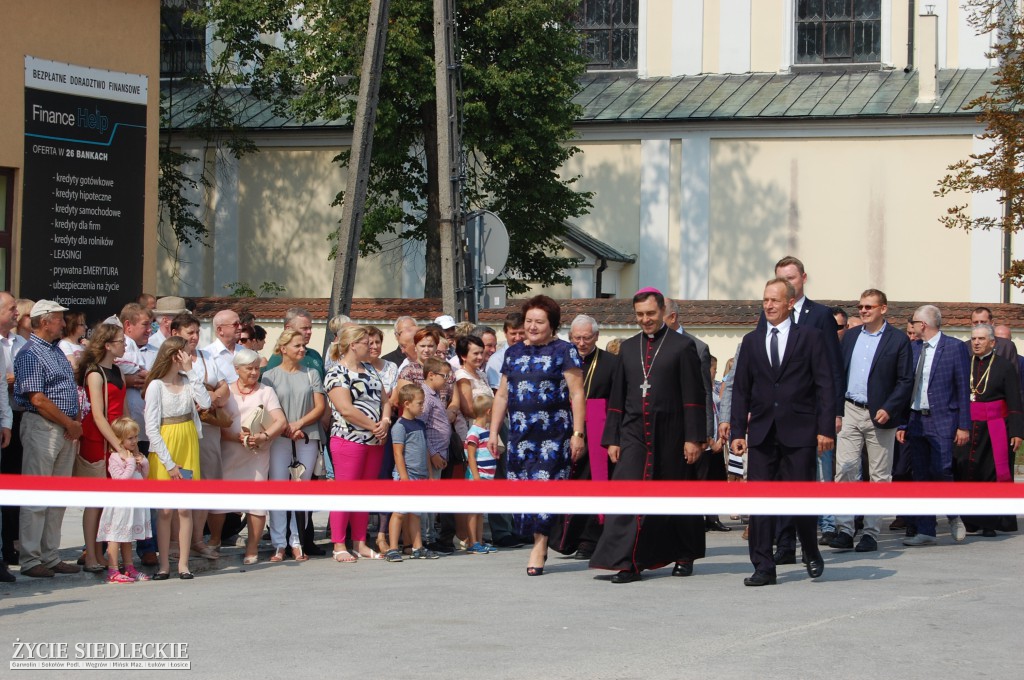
[957, 529]
[114, 576]
[867, 543]
[424, 554]
[134, 573]
[476, 549]
[827, 537]
[841, 542]
[441, 548]
[918, 540]
[490, 548]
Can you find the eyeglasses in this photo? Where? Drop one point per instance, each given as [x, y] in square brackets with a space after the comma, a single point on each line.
[244, 339]
[867, 308]
[233, 324]
[914, 322]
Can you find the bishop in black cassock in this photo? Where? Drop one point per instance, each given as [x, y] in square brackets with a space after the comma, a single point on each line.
[656, 406]
[997, 426]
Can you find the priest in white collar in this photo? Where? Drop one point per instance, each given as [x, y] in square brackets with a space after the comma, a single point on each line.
[656, 425]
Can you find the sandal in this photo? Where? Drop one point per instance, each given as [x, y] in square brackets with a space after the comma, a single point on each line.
[535, 571]
[393, 556]
[250, 559]
[298, 555]
[278, 555]
[204, 550]
[382, 542]
[340, 555]
[374, 555]
[94, 568]
[134, 573]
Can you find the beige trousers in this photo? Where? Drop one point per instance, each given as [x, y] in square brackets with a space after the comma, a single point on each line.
[46, 453]
[858, 434]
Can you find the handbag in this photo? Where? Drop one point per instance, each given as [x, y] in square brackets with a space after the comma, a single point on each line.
[254, 422]
[297, 469]
[320, 468]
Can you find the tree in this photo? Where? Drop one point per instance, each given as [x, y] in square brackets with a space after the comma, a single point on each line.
[998, 168]
[520, 64]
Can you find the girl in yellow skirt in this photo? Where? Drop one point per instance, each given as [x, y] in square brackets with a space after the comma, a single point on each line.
[173, 390]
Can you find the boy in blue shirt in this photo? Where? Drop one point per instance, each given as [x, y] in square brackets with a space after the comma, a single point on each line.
[412, 462]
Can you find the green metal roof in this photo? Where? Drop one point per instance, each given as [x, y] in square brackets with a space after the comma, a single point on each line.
[599, 249]
[607, 97]
[625, 98]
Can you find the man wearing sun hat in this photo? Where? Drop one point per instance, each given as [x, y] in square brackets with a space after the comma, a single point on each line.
[166, 309]
[44, 385]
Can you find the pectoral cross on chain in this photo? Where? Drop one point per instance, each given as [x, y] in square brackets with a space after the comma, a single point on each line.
[644, 386]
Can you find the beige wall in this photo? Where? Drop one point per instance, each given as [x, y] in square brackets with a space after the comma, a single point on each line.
[766, 17]
[659, 37]
[712, 14]
[868, 223]
[119, 35]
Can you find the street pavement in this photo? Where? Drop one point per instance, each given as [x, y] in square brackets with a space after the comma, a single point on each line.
[947, 611]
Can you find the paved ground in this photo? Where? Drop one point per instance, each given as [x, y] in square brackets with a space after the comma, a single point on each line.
[943, 612]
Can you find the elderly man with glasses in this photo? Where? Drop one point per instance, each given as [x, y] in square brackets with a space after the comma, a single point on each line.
[226, 330]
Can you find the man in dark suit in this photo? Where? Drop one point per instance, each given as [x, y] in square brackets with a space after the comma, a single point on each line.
[879, 378]
[807, 312]
[940, 414]
[783, 384]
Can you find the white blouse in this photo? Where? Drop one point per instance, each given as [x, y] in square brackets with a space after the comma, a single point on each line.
[162, 403]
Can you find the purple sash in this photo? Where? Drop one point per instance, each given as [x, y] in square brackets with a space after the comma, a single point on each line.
[597, 414]
[994, 414]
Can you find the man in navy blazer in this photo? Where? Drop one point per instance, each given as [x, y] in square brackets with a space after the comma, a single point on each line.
[940, 415]
[879, 378]
[807, 312]
[784, 411]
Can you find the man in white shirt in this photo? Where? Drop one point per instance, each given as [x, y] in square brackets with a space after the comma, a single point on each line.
[166, 309]
[135, 364]
[226, 329]
[10, 462]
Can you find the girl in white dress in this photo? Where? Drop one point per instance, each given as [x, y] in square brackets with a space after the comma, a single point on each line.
[121, 526]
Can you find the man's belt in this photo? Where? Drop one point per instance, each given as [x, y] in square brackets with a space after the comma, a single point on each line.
[922, 412]
[862, 404]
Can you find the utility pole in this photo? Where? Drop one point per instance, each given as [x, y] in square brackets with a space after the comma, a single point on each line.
[359, 164]
[449, 149]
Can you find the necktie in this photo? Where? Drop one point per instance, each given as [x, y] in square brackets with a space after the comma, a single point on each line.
[774, 349]
[919, 375]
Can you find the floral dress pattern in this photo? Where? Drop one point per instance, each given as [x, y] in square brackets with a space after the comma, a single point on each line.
[540, 415]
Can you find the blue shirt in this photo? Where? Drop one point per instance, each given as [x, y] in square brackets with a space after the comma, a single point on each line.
[860, 363]
[42, 367]
[411, 434]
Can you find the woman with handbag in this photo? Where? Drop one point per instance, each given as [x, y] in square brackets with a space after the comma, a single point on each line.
[293, 455]
[360, 424]
[105, 389]
[256, 419]
[212, 419]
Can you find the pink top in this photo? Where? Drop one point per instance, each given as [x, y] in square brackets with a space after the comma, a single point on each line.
[125, 468]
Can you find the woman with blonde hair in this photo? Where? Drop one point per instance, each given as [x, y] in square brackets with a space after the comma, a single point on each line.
[24, 326]
[105, 389]
[335, 325]
[361, 418]
[245, 446]
[173, 390]
[301, 395]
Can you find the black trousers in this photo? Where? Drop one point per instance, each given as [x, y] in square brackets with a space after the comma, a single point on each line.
[771, 461]
[10, 464]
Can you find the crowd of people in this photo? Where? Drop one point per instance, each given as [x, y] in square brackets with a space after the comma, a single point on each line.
[811, 393]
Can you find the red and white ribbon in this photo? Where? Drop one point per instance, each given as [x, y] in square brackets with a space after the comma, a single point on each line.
[629, 498]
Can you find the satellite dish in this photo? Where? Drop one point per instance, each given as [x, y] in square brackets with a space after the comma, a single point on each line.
[487, 232]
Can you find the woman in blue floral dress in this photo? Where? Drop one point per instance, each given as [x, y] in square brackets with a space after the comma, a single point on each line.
[542, 391]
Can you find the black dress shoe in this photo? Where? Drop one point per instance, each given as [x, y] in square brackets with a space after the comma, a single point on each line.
[911, 532]
[716, 525]
[313, 549]
[989, 533]
[682, 569]
[161, 576]
[897, 524]
[5, 575]
[827, 537]
[442, 548]
[11, 557]
[760, 578]
[582, 554]
[626, 576]
[186, 575]
[784, 557]
[816, 567]
[867, 543]
[509, 542]
[842, 542]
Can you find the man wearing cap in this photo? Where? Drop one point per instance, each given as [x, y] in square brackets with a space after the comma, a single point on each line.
[44, 385]
[447, 325]
[166, 309]
[656, 425]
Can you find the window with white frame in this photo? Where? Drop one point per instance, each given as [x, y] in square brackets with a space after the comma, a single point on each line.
[611, 32]
[838, 31]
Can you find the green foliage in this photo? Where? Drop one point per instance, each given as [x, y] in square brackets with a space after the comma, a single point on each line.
[1000, 167]
[241, 289]
[520, 64]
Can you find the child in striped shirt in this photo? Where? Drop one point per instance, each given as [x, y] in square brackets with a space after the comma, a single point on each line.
[481, 465]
